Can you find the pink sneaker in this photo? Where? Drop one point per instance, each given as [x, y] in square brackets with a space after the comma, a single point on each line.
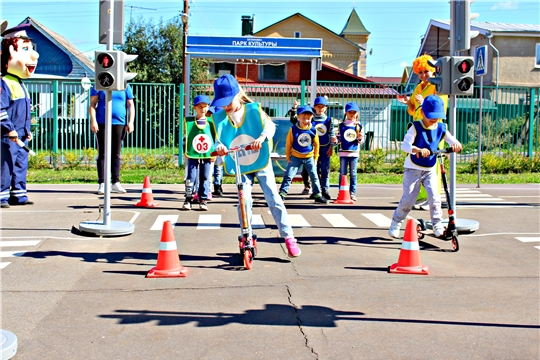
[292, 247]
[196, 197]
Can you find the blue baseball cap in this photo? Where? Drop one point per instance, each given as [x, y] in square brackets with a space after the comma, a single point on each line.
[201, 99]
[225, 89]
[433, 107]
[351, 107]
[305, 109]
[320, 100]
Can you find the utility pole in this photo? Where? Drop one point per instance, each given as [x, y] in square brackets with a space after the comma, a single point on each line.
[185, 60]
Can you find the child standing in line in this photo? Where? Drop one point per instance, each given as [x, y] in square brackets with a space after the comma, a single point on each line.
[350, 135]
[305, 175]
[240, 122]
[200, 138]
[421, 140]
[325, 129]
[302, 148]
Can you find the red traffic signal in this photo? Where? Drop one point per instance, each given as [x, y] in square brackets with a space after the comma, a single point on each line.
[464, 66]
[105, 60]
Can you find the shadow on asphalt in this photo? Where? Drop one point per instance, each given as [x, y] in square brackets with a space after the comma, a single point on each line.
[272, 315]
[280, 315]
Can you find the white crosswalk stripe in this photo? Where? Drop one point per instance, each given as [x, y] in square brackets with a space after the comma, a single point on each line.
[209, 222]
[528, 239]
[158, 224]
[298, 220]
[4, 244]
[338, 220]
[14, 253]
[257, 222]
[378, 219]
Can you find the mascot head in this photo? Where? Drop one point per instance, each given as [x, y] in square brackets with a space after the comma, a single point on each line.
[421, 64]
[18, 55]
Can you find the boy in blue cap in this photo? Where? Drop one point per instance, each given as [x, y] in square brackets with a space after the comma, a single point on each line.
[199, 144]
[420, 142]
[325, 129]
[350, 136]
[302, 148]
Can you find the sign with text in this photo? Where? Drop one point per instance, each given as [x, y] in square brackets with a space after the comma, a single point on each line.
[253, 47]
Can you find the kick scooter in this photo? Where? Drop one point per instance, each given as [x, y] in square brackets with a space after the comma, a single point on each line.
[247, 241]
[450, 233]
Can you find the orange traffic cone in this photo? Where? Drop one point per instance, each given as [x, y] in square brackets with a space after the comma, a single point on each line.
[409, 261]
[168, 261]
[147, 199]
[344, 195]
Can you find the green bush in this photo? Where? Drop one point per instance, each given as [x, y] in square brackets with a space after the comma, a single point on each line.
[503, 163]
[372, 161]
[39, 161]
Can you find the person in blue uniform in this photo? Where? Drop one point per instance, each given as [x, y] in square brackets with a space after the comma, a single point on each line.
[19, 61]
[420, 141]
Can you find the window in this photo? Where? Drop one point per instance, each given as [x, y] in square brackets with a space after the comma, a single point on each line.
[272, 73]
[537, 63]
[297, 34]
[222, 68]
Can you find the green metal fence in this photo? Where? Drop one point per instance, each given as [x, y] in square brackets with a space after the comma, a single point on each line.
[509, 115]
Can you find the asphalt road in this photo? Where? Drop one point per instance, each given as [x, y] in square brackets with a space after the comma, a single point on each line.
[69, 296]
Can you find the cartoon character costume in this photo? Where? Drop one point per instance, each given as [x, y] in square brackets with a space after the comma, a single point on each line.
[19, 61]
[414, 106]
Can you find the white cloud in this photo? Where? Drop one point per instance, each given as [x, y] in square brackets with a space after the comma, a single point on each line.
[506, 5]
[404, 64]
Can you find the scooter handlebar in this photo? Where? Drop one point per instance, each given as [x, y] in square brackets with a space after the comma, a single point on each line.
[442, 151]
[235, 148]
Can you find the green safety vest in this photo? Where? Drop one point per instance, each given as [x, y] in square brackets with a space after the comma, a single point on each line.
[199, 140]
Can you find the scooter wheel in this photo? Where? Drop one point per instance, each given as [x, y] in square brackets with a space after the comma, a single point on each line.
[419, 232]
[455, 243]
[248, 259]
[422, 224]
[255, 248]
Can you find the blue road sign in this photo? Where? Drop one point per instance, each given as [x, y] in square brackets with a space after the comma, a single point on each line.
[481, 60]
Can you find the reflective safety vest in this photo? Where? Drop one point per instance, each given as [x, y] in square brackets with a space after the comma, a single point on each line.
[199, 139]
[427, 138]
[323, 124]
[349, 136]
[302, 139]
[251, 128]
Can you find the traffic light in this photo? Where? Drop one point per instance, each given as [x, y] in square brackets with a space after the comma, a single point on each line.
[462, 75]
[124, 75]
[442, 75]
[111, 70]
[461, 17]
[106, 76]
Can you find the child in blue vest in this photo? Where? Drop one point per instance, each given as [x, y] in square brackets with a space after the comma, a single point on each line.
[325, 129]
[420, 141]
[200, 138]
[302, 148]
[350, 136]
[242, 121]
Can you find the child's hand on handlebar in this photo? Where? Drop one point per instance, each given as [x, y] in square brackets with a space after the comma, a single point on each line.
[221, 150]
[257, 144]
[457, 147]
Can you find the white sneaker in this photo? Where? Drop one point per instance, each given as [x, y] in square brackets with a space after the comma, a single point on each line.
[421, 205]
[117, 188]
[438, 231]
[395, 227]
[101, 189]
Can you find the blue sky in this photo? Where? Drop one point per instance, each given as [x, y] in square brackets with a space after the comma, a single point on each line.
[396, 26]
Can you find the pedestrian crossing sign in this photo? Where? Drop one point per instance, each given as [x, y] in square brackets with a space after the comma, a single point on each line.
[481, 61]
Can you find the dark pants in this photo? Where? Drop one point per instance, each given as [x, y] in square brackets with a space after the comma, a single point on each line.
[14, 166]
[118, 132]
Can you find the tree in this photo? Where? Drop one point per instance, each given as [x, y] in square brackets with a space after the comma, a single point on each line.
[159, 47]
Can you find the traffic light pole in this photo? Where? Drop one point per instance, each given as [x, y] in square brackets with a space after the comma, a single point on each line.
[108, 227]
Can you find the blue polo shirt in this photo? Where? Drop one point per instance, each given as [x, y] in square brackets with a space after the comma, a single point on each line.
[119, 105]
